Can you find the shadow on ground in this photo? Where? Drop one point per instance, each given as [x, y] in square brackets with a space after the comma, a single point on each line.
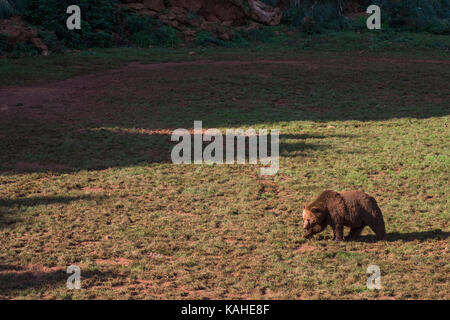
[14, 280]
[436, 234]
[40, 147]
[37, 201]
[125, 117]
[10, 209]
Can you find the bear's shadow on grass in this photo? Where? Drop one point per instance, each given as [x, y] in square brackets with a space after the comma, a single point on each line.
[435, 234]
[15, 278]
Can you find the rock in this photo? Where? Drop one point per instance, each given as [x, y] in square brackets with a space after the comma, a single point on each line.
[145, 7]
[155, 5]
[227, 23]
[149, 13]
[226, 36]
[212, 18]
[136, 6]
[264, 13]
[189, 5]
[219, 17]
[253, 26]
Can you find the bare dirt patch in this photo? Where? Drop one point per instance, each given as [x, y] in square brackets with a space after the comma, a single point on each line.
[114, 262]
[306, 248]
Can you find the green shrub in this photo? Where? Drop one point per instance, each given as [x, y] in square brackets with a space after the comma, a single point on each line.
[416, 15]
[145, 32]
[293, 16]
[142, 39]
[103, 24]
[102, 39]
[314, 16]
[440, 26]
[239, 40]
[23, 49]
[205, 39]
[51, 41]
[4, 43]
[358, 24]
[167, 36]
[263, 34]
[137, 23]
[408, 15]
[98, 18]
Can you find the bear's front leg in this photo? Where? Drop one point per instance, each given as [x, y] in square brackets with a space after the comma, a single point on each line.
[312, 231]
[338, 231]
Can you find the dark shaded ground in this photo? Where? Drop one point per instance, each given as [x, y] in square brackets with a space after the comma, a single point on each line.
[125, 117]
[11, 210]
[36, 201]
[436, 234]
[14, 279]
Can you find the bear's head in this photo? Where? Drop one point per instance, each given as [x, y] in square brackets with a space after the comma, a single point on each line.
[313, 216]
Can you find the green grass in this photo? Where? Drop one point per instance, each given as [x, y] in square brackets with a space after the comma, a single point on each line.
[87, 180]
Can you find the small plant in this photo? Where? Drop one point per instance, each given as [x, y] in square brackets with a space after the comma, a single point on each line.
[167, 36]
[145, 32]
[22, 50]
[204, 39]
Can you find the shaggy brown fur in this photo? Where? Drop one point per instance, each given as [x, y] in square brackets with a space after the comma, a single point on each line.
[354, 209]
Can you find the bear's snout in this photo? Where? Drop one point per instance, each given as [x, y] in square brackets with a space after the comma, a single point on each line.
[306, 224]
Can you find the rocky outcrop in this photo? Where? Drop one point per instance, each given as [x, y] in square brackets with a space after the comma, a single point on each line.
[219, 17]
[18, 31]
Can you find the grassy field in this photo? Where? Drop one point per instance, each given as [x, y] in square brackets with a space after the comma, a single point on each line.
[86, 177]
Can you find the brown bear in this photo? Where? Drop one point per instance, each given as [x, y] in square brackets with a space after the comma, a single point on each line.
[354, 209]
